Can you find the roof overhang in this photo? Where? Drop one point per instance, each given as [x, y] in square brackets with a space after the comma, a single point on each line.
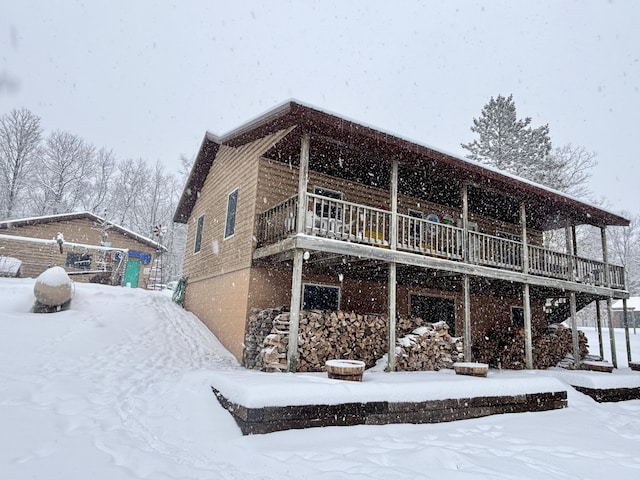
[560, 209]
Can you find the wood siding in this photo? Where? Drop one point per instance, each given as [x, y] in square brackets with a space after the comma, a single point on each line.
[221, 304]
[233, 168]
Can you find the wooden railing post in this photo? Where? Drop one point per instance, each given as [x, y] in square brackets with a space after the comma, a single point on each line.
[391, 287]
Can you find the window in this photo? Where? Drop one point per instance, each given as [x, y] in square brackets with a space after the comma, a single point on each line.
[79, 261]
[434, 309]
[517, 316]
[198, 242]
[327, 209]
[232, 205]
[320, 297]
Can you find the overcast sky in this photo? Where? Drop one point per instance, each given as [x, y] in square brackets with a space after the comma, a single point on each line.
[148, 78]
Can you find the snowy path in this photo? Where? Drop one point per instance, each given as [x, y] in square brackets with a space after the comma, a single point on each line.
[118, 388]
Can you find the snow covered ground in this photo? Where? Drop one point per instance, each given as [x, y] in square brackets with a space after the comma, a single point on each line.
[118, 387]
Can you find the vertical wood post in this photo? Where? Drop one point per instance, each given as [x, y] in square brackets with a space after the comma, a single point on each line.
[612, 335]
[466, 288]
[599, 323]
[569, 249]
[303, 180]
[526, 297]
[605, 256]
[391, 286]
[574, 329]
[626, 328]
[296, 275]
[294, 311]
[528, 344]
[465, 222]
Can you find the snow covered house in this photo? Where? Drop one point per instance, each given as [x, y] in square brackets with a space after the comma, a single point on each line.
[306, 209]
[91, 248]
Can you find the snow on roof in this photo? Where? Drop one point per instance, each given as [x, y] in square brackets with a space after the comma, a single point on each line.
[284, 107]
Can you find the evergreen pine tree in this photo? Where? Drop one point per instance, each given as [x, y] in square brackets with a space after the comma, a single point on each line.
[509, 143]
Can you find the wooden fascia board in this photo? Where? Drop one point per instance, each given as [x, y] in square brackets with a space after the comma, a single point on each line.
[307, 242]
[199, 172]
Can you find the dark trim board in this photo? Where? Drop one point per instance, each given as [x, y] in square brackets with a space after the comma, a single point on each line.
[611, 394]
[273, 419]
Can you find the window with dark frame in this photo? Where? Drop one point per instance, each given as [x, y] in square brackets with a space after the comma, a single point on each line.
[198, 242]
[79, 261]
[232, 205]
[320, 297]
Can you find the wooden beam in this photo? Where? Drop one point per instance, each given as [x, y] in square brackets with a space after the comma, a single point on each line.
[296, 274]
[294, 312]
[599, 324]
[466, 289]
[391, 287]
[524, 240]
[465, 222]
[626, 328]
[528, 343]
[605, 255]
[303, 180]
[612, 335]
[574, 329]
[309, 242]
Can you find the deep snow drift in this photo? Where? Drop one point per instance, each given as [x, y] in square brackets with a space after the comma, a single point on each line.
[118, 387]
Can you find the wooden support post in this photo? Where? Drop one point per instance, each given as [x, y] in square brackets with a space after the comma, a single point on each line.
[574, 329]
[294, 312]
[528, 344]
[303, 180]
[466, 287]
[605, 256]
[599, 324]
[569, 249]
[296, 275]
[465, 222]
[526, 297]
[391, 287]
[612, 334]
[626, 328]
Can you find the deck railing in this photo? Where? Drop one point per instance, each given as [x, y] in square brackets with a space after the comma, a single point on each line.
[334, 218]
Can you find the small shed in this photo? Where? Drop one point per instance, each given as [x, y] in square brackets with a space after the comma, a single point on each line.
[88, 247]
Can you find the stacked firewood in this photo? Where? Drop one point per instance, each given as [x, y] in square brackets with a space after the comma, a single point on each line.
[259, 326]
[429, 348]
[326, 335]
[505, 348]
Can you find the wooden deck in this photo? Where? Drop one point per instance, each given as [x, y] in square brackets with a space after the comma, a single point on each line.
[356, 224]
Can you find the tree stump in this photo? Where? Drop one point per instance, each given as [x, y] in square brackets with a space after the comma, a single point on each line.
[471, 368]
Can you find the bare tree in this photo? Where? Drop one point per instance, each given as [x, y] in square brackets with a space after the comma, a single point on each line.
[573, 165]
[624, 249]
[20, 137]
[64, 171]
[98, 196]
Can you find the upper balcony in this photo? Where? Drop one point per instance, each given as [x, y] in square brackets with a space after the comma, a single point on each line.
[443, 239]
